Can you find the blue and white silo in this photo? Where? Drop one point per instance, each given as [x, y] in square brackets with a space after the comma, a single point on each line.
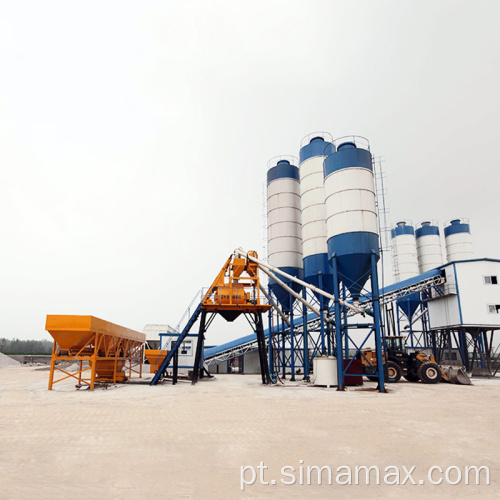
[353, 240]
[284, 233]
[404, 251]
[458, 240]
[351, 214]
[317, 270]
[429, 250]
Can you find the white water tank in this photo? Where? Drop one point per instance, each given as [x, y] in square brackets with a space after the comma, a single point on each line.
[325, 371]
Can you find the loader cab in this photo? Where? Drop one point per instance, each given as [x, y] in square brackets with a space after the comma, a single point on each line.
[396, 343]
[397, 353]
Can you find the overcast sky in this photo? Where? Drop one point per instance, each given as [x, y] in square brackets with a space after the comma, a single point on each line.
[135, 136]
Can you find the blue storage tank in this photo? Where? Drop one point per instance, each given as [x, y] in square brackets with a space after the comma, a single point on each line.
[317, 270]
[284, 232]
[352, 228]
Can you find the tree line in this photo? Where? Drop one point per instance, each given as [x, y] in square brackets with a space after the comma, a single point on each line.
[18, 346]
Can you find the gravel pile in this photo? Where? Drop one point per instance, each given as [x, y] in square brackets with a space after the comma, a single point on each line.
[7, 361]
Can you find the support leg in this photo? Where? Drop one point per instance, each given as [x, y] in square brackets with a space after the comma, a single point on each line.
[338, 327]
[199, 347]
[283, 350]
[305, 334]
[271, 335]
[377, 326]
[343, 310]
[202, 359]
[259, 331]
[292, 342]
[175, 367]
[52, 366]
[464, 351]
[322, 318]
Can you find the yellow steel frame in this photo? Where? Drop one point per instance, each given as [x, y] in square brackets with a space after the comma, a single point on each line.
[236, 287]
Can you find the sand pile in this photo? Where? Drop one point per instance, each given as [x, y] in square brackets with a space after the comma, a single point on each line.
[7, 361]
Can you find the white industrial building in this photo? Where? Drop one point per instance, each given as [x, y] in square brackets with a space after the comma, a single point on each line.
[470, 297]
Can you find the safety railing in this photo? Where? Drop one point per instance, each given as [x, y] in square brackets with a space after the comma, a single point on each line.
[189, 311]
[326, 136]
[293, 160]
[360, 141]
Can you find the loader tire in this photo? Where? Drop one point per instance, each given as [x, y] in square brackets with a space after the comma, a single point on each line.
[430, 373]
[394, 372]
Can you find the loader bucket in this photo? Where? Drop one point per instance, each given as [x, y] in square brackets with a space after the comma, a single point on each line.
[455, 375]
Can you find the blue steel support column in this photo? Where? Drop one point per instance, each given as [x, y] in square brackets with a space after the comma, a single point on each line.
[344, 322]
[462, 340]
[423, 337]
[376, 313]
[480, 348]
[322, 331]
[329, 339]
[283, 352]
[338, 326]
[322, 317]
[410, 333]
[306, 336]
[270, 341]
[398, 320]
[432, 335]
[292, 342]
[425, 326]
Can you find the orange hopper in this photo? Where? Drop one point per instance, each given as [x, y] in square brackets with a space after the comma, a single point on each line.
[155, 358]
[108, 349]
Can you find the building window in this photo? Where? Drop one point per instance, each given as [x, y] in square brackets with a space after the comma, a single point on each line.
[490, 280]
[494, 308]
[184, 349]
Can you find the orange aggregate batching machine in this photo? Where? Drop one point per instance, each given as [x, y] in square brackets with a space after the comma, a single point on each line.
[111, 351]
[235, 291]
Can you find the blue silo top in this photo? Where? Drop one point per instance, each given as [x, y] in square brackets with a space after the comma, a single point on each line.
[347, 145]
[402, 228]
[283, 169]
[317, 147]
[427, 229]
[456, 226]
[347, 155]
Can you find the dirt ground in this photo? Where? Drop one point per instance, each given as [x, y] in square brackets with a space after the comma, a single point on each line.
[183, 441]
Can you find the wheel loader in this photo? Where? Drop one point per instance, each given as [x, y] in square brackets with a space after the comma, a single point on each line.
[413, 366]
